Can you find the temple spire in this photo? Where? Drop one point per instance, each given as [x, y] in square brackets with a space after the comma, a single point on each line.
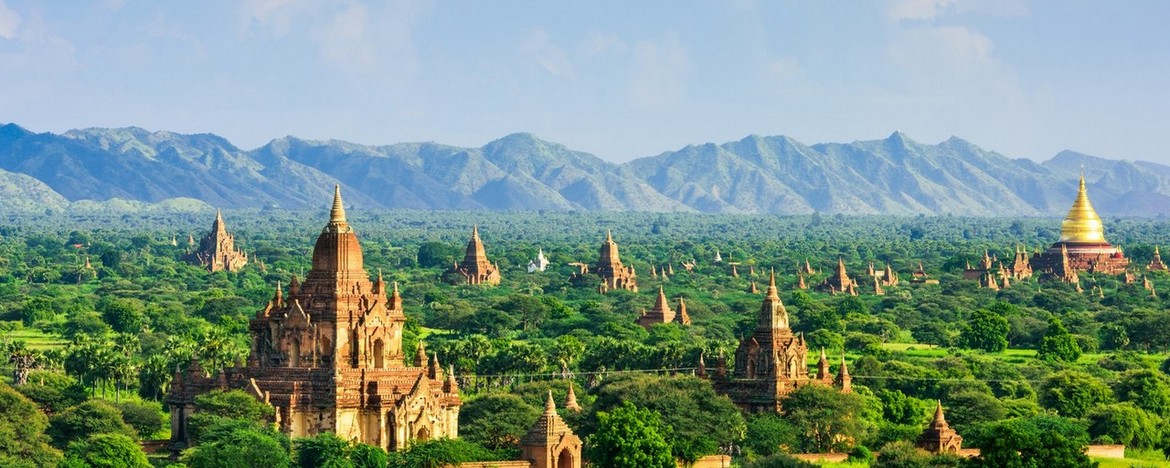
[337, 213]
[1082, 225]
[939, 419]
[550, 406]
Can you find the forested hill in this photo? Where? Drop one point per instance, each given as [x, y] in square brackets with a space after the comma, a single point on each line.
[757, 174]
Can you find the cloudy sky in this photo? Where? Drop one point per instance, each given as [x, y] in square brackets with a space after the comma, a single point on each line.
[619, 79]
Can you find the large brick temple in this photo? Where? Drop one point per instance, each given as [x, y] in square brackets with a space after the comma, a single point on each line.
[771, 363]
[328, 357]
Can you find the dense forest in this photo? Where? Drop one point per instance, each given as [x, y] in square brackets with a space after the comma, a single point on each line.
[1036, 370]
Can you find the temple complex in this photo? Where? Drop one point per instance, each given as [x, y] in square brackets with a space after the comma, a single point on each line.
[938, 436]
[217, 250]
[771, 363]
[1082, 246]
[984, 272]
[839, 281]
[919, 276]
[328, 357]
[475, 268]
[609, 267]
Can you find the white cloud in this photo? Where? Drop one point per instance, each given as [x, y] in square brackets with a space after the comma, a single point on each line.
[917, 9]
[553, 59]
[658, 81]
[9, 21]
[275, 15]
[344, 40]
[933, 9]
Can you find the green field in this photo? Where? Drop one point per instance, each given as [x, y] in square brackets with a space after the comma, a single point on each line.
[36, 339]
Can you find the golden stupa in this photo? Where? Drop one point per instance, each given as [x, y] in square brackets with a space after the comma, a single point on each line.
[1082, 246]
[1082, 225]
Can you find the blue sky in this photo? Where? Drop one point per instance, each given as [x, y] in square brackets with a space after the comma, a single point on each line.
[619, 79]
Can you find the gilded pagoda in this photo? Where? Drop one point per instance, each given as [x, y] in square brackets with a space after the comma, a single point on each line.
[328, 357]
[1082, 246]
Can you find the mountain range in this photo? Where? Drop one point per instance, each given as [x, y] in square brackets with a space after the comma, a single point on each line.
[758, 174]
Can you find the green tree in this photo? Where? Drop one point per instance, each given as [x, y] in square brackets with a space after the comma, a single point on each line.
[1058, 344]
[23, 443]
[89, 418]
[327, 450]
[441, 453]
[53, 391]
[1073, 393]
[106, 451]
[985, 330]
[698, 418]
[1147, 389]
[145, 417]
[630, 437]
[216, 406]
[827, 419]
[496, 420]
[1041, 441]
[235, 443]
[768, 433]
[1125, 423]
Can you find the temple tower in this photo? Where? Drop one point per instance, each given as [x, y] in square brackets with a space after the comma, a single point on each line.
[769, 364]
[660, 313]
[609, 267]
[217, 250]
[328, 357]
[475, 267]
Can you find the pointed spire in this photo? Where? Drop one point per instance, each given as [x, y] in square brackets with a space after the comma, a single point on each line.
[608, 235]
[702, 370]
[939, 419]
[772, 292]
[571, 400]
[475, 231]
[550, 406]
[420, 357]
[451, 386]
[337, 213]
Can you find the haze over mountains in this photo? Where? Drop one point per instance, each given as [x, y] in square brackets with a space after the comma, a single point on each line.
[757, 174]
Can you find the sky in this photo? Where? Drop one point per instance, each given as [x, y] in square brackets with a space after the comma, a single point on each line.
[618, 79]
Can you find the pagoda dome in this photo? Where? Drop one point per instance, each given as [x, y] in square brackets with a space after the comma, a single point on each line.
[1082, 225]
[337, 247]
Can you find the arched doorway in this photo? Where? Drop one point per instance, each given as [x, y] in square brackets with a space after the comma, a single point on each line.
[565, 459]
[378, 352]
[424, 434]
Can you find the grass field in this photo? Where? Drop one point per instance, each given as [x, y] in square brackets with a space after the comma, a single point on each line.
[36, 339]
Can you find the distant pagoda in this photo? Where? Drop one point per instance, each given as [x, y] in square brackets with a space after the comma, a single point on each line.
[614, 275]
[839, 281]
[661, 313]
[475, 267]
[217, 250]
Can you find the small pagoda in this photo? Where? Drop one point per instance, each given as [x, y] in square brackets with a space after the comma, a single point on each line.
[938, 436]
[614, 275]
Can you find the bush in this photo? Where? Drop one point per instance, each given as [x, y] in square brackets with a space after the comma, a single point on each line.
[145, 417]
[106, 451]
[87, 419]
